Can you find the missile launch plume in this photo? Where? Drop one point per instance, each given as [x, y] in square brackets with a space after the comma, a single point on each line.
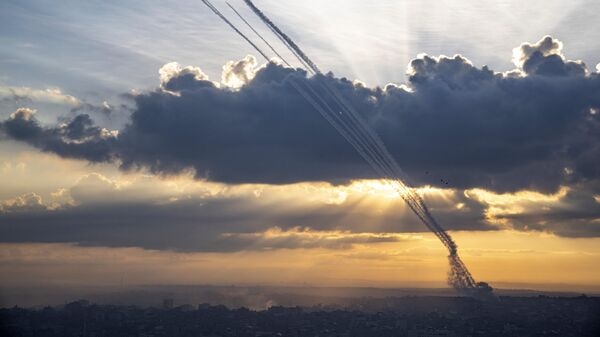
[331, 104]
[373, 141]
[380, 152]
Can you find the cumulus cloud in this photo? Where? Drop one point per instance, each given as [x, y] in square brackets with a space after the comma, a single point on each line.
[199, 216]
[174, 77]
[546, 46]
[574, 213]
[32, 203]
[545, 58]
[29, 202]
[456, 73]
[237, 74]
[571, 212]
[78, 138]
[184, 215]
[452, 124]
[24, 114]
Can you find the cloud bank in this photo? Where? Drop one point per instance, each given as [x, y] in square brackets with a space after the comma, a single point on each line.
[154, 214]
[451, 125]
[469, 126]
[184, 215]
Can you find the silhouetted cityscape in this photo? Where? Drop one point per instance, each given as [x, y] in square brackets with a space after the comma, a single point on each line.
[391, 316]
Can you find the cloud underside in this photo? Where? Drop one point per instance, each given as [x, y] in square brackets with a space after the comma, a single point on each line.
[152, 214]
[452, 125]
[530, 128]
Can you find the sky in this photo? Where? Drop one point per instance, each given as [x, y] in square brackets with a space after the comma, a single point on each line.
[145, 141]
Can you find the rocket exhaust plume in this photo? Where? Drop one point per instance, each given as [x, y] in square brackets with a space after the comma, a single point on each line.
[330, 103]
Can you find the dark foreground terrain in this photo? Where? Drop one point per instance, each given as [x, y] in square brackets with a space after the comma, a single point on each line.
[396, 316]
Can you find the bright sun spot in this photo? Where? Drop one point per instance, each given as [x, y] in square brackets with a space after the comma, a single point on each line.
[379, 188]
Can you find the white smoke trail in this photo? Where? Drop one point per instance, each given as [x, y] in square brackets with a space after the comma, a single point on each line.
[373, 141]
[460, 276]
[218, 13]
[358, 133]
[284, 38]
[257, 34]
[373, 159]
[316, 100]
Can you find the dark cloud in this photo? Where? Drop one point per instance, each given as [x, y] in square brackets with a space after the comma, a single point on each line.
[458, 125]
[576, 214]
[186, 82]
[101, 213]
[229, 224]
[174, 78]
[30, 202]
[545, 58]
[79, 138]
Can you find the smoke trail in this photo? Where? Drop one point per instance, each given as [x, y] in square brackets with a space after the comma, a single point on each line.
[313, 97]
[358, 133]
[459, 276]
[218, 13]
[358, 142]
[257, 34]
[378, 148]
[357, 124]
[287, 39]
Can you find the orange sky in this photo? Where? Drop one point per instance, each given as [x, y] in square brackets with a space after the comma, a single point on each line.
[336, 256]
[505, 259]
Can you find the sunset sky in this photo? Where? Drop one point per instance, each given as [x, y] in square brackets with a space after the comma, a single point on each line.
[145, 142]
